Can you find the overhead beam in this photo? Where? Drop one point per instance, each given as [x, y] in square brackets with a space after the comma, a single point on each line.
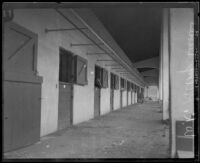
[153, 73]
[117, 68]
[112, 65]
[148, 63]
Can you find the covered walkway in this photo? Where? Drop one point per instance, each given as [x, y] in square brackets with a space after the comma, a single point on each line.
[136, 131]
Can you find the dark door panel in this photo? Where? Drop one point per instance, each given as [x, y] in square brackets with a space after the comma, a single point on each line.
[65, 105]
[21, 87]
[97, 97]
[111, 99]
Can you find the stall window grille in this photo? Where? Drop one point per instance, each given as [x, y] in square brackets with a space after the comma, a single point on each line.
[66, 66]
[98, 74]
[128, 86]
[114, 81]
[122, 84]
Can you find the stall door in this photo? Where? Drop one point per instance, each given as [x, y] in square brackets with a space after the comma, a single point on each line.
[65, 89]
[97, 98]
[65, 105]
[127, 98]
[121, 98]
[21, 88]
[111, 99]
[131, 97]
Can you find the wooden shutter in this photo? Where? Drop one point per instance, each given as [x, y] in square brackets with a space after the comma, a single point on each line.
[21, 57]
[104, 78]
[80, 70]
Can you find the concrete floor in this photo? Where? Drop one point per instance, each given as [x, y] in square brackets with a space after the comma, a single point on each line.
[136, 131]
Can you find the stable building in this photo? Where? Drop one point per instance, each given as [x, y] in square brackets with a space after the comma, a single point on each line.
[61, 67]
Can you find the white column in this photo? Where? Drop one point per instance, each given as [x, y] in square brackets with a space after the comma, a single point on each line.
[161, 65]
[181, 68]
[165, 65]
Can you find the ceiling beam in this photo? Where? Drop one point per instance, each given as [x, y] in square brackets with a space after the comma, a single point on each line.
[153, 73]
[148, 63]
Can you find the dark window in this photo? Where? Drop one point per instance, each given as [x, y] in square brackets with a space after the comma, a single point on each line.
[128, 86]
[122, 84]
[66, 66]
[114, 81]
[98, 74]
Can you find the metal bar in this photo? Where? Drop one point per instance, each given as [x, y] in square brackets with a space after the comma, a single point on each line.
[62, 29]
[89, 44]
[117, 68]
[95, 53]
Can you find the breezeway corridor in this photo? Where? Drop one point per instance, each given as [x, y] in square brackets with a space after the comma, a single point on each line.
[136, 131]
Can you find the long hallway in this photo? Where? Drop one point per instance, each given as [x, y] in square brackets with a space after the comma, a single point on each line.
[136, 131]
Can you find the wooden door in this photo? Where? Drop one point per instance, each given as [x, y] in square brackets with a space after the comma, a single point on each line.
[97, 99]
[121, 98]
[127, 98]
[21, 87]
[131, 97]
[111, 99]
[65, 105]
[65, 99]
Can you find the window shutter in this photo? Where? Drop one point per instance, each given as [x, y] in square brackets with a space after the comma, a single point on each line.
[104, 78]
[80, 70]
